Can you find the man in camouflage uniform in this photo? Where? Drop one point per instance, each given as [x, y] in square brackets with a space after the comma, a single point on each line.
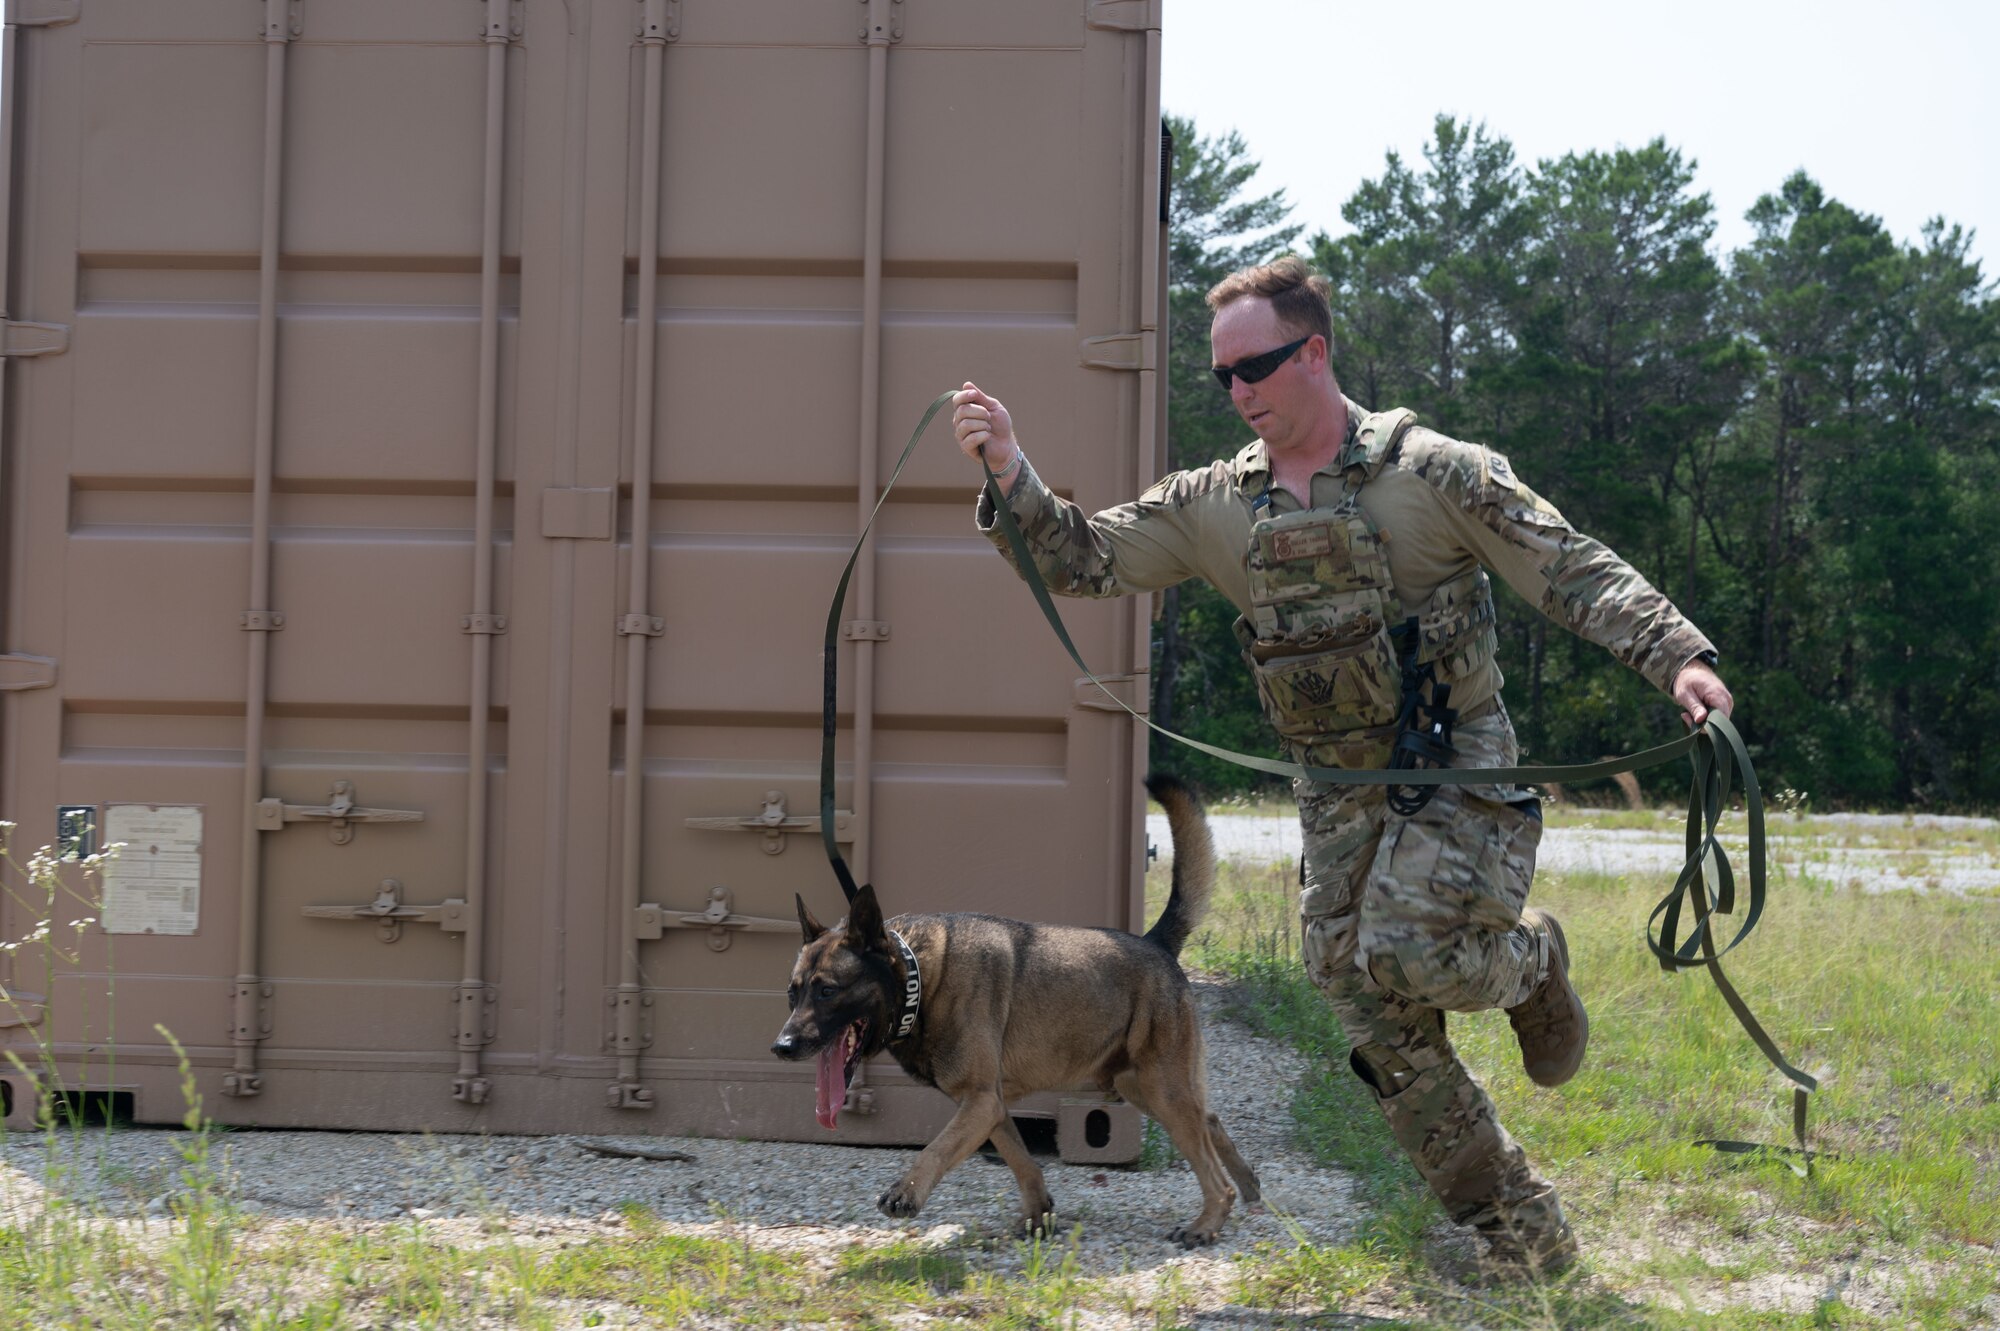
[1328, 531]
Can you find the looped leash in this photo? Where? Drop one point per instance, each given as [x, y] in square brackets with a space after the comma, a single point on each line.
[1705, 888]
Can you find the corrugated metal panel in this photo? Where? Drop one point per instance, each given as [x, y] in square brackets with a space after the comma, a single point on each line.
[411, 327]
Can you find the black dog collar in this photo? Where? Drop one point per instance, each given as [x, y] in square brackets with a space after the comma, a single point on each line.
[913, 986]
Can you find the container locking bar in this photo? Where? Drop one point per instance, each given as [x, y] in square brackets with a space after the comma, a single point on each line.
[720, 919]
[659, 21]
[341, 812]
[774, 823]
[883, 23]
[390, 913]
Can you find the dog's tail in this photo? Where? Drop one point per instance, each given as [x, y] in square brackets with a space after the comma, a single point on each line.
[1194, 863]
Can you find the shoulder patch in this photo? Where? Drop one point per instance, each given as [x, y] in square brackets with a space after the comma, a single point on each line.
[1454, 468]
[1473, 476]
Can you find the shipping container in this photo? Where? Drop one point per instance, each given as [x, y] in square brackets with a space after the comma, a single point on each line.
[354, 347]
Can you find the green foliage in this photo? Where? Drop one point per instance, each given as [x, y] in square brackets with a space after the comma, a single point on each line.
[1425, 279]
[1799, 443]
[1215, 225]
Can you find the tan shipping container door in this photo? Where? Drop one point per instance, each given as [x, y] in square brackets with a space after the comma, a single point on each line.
[340, 449]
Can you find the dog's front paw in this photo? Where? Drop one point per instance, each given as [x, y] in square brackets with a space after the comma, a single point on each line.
[1193, 1235]
[901, 1201]
[1038, 1226]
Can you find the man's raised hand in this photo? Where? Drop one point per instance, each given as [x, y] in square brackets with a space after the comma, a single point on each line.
[981, 422]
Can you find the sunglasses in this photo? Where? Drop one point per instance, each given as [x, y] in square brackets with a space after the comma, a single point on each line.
[1255, 369]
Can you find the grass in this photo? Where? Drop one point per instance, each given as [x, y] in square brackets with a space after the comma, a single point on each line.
[1889, 995]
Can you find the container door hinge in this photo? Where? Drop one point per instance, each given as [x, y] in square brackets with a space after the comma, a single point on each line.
[341, 813]
[865, 630]
[31, 339]
[451, 915]
[659, 20]
[720, 919]
[1134, 690]
[1124, 15]
[43, 13]
[651, 626]
[1120, 351]
[774, 823]
[26, 672]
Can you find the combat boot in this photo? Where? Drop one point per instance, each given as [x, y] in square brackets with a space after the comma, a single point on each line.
[1518, 1251]
[1551, 1024]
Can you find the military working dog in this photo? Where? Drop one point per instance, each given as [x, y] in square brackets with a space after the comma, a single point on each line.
[988, 1010]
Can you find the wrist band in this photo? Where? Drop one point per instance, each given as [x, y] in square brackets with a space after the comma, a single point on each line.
[1011, 467]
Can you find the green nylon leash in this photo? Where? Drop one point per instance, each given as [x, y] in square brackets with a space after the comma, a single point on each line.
[1704, 889]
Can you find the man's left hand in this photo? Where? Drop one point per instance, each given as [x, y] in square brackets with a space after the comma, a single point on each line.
[1699, 691]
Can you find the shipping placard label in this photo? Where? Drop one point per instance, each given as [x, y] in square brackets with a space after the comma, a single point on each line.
[153, 885]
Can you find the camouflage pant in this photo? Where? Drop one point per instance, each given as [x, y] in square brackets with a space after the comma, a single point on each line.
[1405, 918]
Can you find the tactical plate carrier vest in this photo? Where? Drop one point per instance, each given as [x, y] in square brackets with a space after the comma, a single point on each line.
[1318, 635]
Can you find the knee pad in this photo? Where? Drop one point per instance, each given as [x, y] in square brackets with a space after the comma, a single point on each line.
[1409, 969]
[1436, 973]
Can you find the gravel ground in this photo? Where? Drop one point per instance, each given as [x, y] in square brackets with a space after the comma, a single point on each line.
[817, 1201]
[1252, 839]
[798, 1195]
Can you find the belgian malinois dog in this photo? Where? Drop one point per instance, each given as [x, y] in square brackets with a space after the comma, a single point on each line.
[988, 1010]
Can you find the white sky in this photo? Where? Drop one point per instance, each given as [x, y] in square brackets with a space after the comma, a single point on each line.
[1894, 109]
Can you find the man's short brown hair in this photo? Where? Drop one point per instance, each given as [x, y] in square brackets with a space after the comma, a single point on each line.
[1301, 298]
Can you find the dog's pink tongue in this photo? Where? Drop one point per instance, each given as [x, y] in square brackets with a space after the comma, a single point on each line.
[832, 1085]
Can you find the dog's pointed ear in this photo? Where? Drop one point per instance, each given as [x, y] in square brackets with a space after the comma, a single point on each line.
[864, 920]
[810, 927]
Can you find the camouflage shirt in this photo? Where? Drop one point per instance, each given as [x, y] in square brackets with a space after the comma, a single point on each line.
[1441, 505]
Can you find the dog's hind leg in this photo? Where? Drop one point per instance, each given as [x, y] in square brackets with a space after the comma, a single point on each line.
[1248, 1190]
[1177, 1106]
[979, 1116]
[1037, 1208]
